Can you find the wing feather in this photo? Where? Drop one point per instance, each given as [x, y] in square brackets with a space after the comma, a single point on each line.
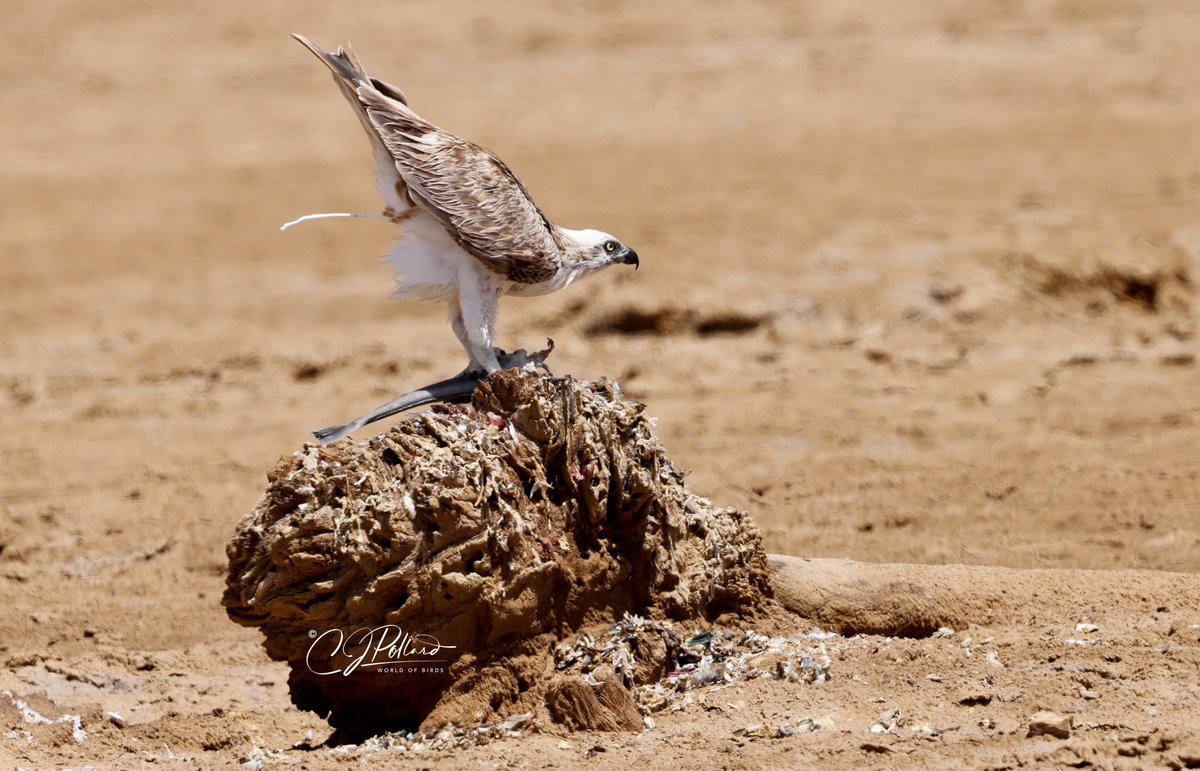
[349, 75]
[472, 192]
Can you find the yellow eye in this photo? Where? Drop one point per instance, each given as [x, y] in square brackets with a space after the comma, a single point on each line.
[610, 246]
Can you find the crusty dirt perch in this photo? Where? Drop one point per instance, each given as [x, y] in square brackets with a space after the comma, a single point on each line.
[545, 506]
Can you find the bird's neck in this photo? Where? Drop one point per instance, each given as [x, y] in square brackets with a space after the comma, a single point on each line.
[577, 257]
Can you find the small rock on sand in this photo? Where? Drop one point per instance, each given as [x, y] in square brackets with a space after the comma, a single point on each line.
[1050, 724]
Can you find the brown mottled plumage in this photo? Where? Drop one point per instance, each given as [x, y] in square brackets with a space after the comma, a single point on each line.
[471, 230]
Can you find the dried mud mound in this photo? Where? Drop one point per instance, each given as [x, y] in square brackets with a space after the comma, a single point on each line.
[472, 538]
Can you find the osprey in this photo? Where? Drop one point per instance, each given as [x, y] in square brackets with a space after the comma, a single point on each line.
[470, 231]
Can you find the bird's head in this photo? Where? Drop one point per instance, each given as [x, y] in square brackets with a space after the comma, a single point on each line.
[597, 249]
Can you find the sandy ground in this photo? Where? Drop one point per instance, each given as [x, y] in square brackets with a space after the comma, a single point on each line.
[917, 286]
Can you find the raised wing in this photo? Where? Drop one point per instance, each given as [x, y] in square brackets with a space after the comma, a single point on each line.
[349, 75]
[472, 192]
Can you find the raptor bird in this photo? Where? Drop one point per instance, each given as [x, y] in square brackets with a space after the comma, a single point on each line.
[469, 230]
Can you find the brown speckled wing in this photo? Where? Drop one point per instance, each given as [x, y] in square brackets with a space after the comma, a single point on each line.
[472, 192]
[349, 75]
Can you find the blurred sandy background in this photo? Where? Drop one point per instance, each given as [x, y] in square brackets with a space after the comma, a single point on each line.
[918, 285]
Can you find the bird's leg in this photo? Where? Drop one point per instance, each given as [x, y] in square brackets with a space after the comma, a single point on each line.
[460, 331]
[478, 302]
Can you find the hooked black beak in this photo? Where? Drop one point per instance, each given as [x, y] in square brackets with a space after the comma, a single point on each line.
[628, 257]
